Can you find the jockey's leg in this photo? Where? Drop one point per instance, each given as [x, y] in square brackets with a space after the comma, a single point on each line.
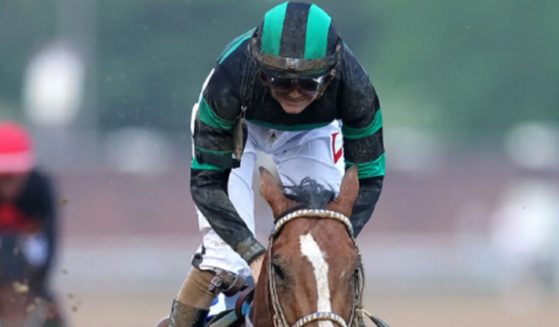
[318, 155]
[193, 300]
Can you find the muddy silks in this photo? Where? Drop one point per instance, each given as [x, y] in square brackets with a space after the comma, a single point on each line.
[239, 138]
[240, 129]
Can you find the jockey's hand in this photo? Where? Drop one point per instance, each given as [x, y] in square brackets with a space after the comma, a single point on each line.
[255, 267]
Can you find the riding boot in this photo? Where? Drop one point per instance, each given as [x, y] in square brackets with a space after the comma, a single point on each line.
[183, 315]
[192, 304]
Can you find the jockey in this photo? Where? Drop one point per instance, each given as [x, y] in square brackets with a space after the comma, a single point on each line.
[290, 88]
[27, 218]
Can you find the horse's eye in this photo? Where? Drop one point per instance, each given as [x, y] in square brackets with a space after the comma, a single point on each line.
[278, 270]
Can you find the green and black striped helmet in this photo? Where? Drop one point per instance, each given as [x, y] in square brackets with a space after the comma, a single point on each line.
[296, 39]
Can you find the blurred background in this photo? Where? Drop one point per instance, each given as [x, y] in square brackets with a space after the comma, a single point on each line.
[465, 232]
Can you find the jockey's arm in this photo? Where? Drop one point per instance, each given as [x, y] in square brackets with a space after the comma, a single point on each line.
[369, 192]
[363, 141]
[218, 111]
[38, 202]
[50, 226]
[208, 188]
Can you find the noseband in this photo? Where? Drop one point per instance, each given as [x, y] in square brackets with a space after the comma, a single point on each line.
[279, 316]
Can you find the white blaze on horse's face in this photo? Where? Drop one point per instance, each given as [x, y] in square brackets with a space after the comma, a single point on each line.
[311, 250]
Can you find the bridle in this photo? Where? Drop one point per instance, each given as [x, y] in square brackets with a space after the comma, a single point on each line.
[279, 319]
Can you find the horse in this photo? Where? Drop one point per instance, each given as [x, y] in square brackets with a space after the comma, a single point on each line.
[19, 305]
[312, 273]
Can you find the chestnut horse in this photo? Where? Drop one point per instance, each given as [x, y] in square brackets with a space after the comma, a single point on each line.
[312, 273]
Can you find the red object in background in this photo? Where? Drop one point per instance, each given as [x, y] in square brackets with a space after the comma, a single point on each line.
[16, 149]
[12, 219]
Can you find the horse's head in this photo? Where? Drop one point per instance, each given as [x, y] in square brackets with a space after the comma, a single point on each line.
[312, 267]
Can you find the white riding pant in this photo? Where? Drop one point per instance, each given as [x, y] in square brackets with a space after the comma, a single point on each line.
[314, 153]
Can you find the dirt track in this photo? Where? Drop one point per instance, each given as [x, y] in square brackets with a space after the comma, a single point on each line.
[103, 282]
[136, 310]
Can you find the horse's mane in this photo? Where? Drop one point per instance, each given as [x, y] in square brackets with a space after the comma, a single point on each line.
[309, 194]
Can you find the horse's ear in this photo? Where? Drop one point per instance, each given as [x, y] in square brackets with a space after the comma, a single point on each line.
[273, 194]
[348, 193]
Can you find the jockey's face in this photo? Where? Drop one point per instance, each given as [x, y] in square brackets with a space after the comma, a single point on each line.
[295, 94]
[293, 101]
[11, 185]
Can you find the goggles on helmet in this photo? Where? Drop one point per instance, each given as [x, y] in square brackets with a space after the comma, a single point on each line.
[306, 85]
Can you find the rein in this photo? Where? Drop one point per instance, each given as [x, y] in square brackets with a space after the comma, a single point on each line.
[279, 316]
